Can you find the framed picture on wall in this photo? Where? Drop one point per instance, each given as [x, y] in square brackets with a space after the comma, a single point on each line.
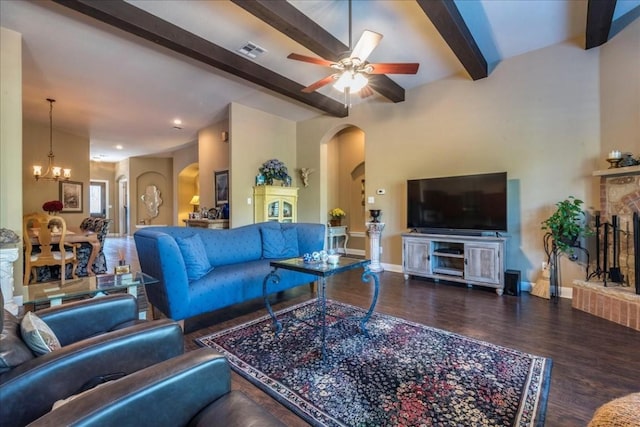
[71, 196]
[221, 187]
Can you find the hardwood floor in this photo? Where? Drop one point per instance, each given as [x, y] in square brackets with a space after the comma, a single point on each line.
[594, 360]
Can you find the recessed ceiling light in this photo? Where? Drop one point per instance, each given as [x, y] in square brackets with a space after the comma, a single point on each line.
[119, 147]
[177, 122]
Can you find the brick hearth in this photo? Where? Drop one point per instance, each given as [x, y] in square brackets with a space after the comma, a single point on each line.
[615, 303]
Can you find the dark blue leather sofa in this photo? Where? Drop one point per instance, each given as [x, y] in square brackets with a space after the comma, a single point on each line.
[239, 260]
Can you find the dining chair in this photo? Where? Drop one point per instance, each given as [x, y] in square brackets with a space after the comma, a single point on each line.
[44, 239]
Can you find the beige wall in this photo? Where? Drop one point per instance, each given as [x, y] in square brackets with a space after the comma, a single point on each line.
[620, 93]
[213, 156]
[11, 140]
[70, 150]
[255, 137]
[536, 117]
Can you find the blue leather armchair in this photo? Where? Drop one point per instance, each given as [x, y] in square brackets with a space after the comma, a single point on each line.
[100, 338]
[193, 389]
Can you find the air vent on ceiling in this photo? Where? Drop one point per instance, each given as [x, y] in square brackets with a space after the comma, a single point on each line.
[252, 50]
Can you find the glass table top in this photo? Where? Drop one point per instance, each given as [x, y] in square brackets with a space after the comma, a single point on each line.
[48, 291]
[319, 268]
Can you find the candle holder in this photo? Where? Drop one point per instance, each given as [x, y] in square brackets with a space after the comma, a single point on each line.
[615, 162]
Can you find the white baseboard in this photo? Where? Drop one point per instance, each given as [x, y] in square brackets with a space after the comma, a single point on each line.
[357, 252]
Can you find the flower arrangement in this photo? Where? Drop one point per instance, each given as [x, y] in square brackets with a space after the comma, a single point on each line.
[337, 213]
[52, 206]
[274, 169]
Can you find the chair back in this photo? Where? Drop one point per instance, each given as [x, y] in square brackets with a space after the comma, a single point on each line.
[48, 233]
[41, 228]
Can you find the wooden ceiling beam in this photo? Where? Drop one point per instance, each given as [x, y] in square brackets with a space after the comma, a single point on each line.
[133, 20]
[599, 19]
[284, 17]
[446, 17]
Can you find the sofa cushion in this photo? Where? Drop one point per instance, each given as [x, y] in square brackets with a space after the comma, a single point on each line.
[279, 243]
[194, 255]
[13, 351]
[37, 335]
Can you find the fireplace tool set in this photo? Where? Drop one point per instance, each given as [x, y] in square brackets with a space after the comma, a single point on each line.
[609, 270]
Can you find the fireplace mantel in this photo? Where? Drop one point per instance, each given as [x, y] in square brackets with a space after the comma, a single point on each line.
[627, 170]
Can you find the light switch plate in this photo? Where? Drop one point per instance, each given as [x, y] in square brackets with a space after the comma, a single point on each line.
[371, 200]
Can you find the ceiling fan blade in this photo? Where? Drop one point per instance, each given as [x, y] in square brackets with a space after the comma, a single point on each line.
[368, 41]
[304, 58]
[317, 85]
[366, 92]
[394, 68]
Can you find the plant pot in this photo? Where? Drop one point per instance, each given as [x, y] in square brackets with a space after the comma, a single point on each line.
[335, 222]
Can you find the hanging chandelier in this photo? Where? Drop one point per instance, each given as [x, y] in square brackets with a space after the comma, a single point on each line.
[53, 173]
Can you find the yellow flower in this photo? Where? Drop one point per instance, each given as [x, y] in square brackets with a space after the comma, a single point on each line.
[337, 213]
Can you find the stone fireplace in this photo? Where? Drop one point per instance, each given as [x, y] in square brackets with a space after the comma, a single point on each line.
[618, 302]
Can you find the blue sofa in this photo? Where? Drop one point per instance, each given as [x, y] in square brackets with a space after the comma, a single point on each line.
[202, 270]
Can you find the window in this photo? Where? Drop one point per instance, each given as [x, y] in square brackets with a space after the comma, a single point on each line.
[98, 198]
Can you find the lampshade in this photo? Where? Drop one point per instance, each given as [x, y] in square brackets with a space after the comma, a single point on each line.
[195, 200]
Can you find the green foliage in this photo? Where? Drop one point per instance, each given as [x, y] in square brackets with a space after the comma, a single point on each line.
[566, 224]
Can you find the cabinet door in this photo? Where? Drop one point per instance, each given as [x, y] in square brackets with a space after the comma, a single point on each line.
[287, 211]
[417, 257]
[273, 211]
[482, 262]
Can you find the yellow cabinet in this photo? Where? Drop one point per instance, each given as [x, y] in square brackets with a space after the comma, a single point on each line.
[274, 203]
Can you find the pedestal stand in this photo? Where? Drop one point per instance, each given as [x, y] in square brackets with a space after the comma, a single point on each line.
[374, 230]
[7, 257]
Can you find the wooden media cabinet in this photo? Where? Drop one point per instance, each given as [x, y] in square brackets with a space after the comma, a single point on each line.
[474, 260]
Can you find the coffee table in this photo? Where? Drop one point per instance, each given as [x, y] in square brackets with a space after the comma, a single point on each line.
[321, 271]
[55, 292]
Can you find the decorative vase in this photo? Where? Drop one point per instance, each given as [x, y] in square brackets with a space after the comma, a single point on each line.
[375, 214]
[336, 222]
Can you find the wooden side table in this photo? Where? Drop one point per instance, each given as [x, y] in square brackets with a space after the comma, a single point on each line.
[333, 237]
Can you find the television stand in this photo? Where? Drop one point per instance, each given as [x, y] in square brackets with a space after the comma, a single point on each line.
[474, 260]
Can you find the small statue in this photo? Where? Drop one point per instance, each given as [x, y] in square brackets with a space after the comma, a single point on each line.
[304, 174]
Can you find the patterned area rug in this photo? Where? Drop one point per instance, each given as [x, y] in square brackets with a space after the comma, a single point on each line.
[404, 374]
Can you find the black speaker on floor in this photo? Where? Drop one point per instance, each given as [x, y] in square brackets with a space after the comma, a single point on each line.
[512, 282]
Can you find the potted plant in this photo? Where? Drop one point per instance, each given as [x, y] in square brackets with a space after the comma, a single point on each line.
[566, 224]
[336, 215]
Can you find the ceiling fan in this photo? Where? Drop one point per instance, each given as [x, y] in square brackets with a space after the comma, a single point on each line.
[352, 69]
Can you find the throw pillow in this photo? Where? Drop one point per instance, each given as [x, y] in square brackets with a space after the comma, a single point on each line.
[37, 335]
[195, 256]
[278, 243]
[13, 351]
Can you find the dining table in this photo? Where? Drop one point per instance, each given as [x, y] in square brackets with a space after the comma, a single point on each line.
[74, 235]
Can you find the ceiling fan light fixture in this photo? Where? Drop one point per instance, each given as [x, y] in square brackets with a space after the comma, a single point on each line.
[355, 81]
[358, 82]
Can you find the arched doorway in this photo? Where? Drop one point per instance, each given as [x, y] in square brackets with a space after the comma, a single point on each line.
[188, 186]
[345, 175]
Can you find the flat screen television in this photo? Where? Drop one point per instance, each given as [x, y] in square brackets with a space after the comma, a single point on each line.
[465, 204]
